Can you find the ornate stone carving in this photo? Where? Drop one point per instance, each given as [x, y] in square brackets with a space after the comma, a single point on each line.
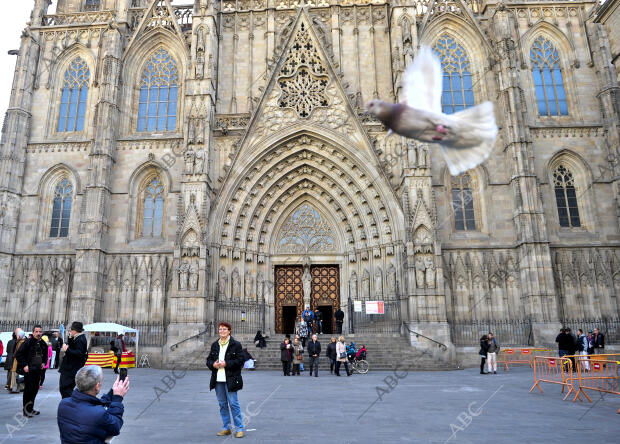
[305, 231]
[236, 284]
[222, 283]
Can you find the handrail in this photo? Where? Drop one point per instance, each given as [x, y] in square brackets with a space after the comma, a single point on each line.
[208, 329]
[439, 344]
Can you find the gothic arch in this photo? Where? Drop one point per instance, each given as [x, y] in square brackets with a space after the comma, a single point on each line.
[475, 45]
[140, 178]
[582, 174]
[56, 82]
[480, 178]
[134, 61]
[47, 185]
[565, 49]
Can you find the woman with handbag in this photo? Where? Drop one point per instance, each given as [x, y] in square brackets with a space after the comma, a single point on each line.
[341, 353]
[297, 356]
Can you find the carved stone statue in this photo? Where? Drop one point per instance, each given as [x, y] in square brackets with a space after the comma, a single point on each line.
[200, 162]
[183, 275]
[366, 285]
[249, 285]
[307, 281]
[189, 157]
[429, 264]
[391, 279]
[353, 286]
[419, 272]
[236, 284]
[222, 282]
[260, 286]
[378, 282]
[193, 277]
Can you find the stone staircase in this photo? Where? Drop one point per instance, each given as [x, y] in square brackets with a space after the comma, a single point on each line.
[385, 352]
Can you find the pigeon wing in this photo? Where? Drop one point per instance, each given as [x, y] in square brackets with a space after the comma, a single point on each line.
[422, 83]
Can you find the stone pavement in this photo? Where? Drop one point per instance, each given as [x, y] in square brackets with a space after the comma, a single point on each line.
[425, 407]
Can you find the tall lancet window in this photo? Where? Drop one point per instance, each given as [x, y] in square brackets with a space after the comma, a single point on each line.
[152, 208]
[157, 108]
[74, 97]
[61, 209]
[457, 87]
[463, 202]
[566, 197]
[548, 80]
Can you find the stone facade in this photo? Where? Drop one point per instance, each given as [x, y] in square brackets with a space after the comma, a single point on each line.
[266, 159]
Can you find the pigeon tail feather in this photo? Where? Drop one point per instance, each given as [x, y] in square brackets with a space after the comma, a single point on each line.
[477, 133]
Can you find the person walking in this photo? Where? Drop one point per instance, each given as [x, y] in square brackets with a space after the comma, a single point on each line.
[339, 316]
[571, 346]
[225, 361]
[302, 330]
[75, 357]
[341, 353]
[590, 339]
[484, 348]
[331, 354]
[45, 339]
[318, 320]
[10, 355]
[599, 342]
[564, 342]
[118, 347]
[298, 351]
[31, 358]
[16, 370]
[56, 346]
[286, 356]
[314, 352]
[308, 316]
[492, 352]
[582, 349]
[84, 418]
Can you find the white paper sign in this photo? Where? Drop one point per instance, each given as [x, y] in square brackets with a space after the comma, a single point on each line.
[374, 307]
[357, 306]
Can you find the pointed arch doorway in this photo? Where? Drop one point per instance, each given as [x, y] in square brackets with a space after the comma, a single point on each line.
[306, 237]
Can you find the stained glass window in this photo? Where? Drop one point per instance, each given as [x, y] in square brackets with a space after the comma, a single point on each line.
[463, 202]
[457, 89]
[305, 231]
[566, 197]
[157, 107]
[61, 209]
[153, 209]
[92, 5]
[548, 81]
[73, 97]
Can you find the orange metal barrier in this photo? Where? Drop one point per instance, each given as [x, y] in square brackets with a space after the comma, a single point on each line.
[511, 356]
[552, 370]
[600, 373]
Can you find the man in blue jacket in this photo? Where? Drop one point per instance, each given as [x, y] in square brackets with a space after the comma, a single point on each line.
[85, 419]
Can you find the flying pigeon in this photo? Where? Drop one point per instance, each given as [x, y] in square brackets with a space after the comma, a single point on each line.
[466, 137]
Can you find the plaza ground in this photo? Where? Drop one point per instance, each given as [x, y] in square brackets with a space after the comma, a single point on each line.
[458, 406]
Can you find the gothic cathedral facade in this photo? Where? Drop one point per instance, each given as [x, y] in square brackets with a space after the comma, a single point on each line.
[178, 165]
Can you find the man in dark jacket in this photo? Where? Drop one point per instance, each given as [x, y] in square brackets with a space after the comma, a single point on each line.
[339, 316]
[56, 346]
[31, 359]
[226, 361]
[118, 347]
[10, 351]
[84, 418]
[314, 351]
[564, 342]
[599, 342]
[75, 358]
[331, 354]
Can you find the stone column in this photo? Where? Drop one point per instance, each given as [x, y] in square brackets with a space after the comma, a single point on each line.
[536, 274]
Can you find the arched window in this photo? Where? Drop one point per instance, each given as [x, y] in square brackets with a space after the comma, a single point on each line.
[61, 209]
[548, 81]
[73, 98]
[458, 92]
[157, 107]
[463, 202]
[566, 197]
[152, 208]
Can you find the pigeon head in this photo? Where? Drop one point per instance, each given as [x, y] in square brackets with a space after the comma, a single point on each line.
[380, 109]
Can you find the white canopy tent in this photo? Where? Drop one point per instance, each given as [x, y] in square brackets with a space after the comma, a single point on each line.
[115, 328]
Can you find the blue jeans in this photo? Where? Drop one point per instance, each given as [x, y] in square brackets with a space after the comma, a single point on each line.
[226, 399]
